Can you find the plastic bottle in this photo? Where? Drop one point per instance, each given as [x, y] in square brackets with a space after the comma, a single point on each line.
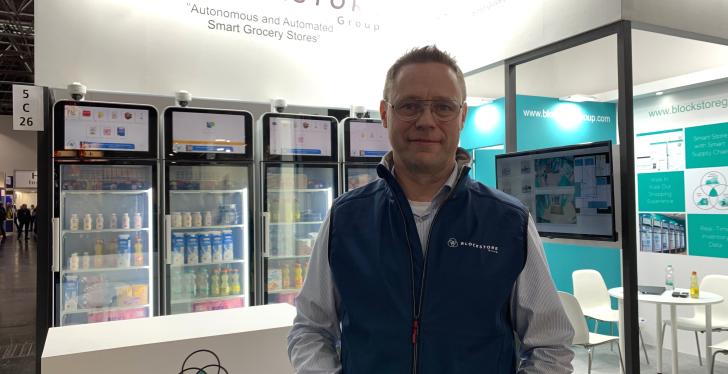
[85, 261]
[224, 283]
[215, 283]
[286, 276]
[87, 222]
[694, 289]
[99, 221]
[203, 284]
[298, 275]
[669, 278]
[138, 254]
[73, 262]
[125, 221]
[113, 221]
[74, 222]
[235, 283]
[137, 220]
[99, 254]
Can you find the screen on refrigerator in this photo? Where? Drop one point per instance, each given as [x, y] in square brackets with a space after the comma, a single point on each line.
[300, 137]
[106, 128]
[368, 139]
[197, 132]
[568, 190]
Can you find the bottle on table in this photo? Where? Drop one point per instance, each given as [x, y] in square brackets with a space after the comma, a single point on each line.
[694, 289]
[669, 278]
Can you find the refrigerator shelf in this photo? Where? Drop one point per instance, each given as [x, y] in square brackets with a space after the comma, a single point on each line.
[219, 227]
[109, 309]
[203, 191]
[204, 299]
[297, 223]
[105, 192]
[103, 270]
[64, 232]
[284, 290]
[208, 264]
[287, 257]
[297, 190]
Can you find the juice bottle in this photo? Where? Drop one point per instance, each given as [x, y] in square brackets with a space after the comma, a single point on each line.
[203, 284]
[99, 254]
[694, 289]
[125, 221]
[113, 221]
[138, 254]
[235, 286]
[215, 283]
[298, 275]
[99, 221]
[87, 222]
[224, 284]
[286, 275]
[137, 220]
[74, 222]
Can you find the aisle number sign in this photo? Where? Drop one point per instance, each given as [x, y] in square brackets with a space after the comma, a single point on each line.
[27, 108]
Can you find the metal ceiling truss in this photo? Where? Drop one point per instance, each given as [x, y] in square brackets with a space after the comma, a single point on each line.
[17, 34]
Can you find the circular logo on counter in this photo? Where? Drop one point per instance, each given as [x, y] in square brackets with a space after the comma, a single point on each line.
[202, 361]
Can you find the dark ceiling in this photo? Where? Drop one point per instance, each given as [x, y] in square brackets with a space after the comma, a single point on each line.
[16, 48]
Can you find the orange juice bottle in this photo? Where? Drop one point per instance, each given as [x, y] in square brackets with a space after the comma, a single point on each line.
[694, 289]
[298, 275]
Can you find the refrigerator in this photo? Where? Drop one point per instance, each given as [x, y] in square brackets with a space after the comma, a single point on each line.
[208, 209]
[105, 210]
[365, 142]
[300, 180]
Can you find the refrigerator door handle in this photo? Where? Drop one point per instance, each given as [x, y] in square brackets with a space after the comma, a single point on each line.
[266, 234]
[56, 238]
[168, 239]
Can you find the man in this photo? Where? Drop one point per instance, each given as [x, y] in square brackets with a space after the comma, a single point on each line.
[3, 217]
[426, 270]
[23, 221]
[33, 213]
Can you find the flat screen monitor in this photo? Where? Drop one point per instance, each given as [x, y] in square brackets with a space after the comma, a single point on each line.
[292, 137]
[568, 190]
[193, 133]
[110, 129]
[365, 140]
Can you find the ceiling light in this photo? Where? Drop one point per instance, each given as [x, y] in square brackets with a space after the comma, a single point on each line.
[659, 93]
[578, 98]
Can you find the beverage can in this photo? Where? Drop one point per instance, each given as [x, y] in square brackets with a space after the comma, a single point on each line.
[99, 221]
[205, 254]
[178, 249]
[123, 255]
[228, 245]
[176, 219]
[197, 219]
[216, 246]
[192, 248]
[186, 219]
[74, 224]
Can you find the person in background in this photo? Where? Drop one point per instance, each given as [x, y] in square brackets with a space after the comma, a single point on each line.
[3, 216]
[33, 213]
[426, 270]
[23, 216]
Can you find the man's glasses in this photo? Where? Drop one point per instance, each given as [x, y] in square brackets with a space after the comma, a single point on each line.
[442, 110]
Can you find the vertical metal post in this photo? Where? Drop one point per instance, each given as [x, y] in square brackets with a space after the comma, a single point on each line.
[510, 104]
[629, 213]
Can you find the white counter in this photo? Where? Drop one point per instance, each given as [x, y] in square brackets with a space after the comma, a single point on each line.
[246, 340]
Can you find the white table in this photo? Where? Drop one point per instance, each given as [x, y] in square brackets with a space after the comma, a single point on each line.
[706, 298]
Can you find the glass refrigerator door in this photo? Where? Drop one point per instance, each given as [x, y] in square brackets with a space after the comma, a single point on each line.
[357, 176]
[208, 239]
[297, 199]
[106, 243]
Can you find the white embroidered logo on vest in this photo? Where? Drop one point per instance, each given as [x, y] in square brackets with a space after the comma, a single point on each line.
[454, 243]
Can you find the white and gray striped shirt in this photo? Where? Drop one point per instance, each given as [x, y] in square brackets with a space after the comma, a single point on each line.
[540, 323]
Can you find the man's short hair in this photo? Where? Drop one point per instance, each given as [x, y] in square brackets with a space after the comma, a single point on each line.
[421, 55]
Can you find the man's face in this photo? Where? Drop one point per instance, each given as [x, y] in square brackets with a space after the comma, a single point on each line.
[426, 144]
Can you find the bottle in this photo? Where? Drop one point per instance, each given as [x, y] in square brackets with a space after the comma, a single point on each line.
[215, 283]
[125, 221]
[235, 283]
[99, 254]
[669, 278]
[224, 283]
[123, 256]
[203, 284]
[137, 220]
[176, 284]
[694, 289]
[113, 221]
[74, 222]
[208, 218]
[286, 276]
[197, 219]
[73, 262]
[138, 254]
[99, 221]
[110, 260]
[298, 275]
[85, 261]
[87, 222]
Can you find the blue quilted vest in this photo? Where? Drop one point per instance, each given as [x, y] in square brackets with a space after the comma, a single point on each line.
[444, 312]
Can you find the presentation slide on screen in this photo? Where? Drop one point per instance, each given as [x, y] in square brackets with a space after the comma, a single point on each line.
[208, 133]
[660, 151]
[106, 129]
[367, 139]
[567, 192]
[300, 137]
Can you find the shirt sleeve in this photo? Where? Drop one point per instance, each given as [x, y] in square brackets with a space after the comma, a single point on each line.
[539, 318]
[316, 329]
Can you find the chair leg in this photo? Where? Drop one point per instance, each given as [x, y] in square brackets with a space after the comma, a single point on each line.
[589, 360]
[621, 362]
[715, 354]
[611, 332]
[697, 344]
[647, 358]
[662, 338]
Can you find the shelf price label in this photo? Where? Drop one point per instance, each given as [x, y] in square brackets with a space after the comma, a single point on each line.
[27, 108]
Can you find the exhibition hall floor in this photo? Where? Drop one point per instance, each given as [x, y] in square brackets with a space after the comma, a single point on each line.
[17, 309]
[606, 361]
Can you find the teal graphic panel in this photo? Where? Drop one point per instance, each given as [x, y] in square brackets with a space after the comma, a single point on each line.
[706, 146]
[484, 126]
[708, 235]
[484, 166]
[661, 192]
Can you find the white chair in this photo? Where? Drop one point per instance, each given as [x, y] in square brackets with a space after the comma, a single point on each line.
[719, 348]
[582, 336]
[591, 292]
[717, 284]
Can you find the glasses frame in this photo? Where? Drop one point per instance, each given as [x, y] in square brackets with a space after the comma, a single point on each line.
[460, 106]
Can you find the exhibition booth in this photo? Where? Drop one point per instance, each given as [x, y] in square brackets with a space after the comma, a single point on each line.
[607, 119]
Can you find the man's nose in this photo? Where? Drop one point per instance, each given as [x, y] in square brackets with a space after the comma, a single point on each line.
[426, 118]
